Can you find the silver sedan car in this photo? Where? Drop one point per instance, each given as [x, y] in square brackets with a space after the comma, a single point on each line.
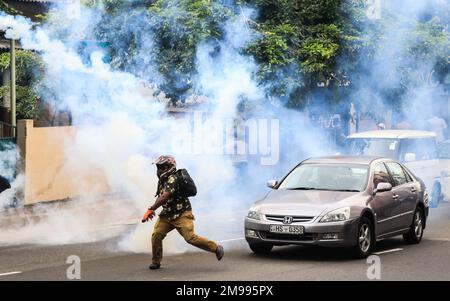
[340, 201]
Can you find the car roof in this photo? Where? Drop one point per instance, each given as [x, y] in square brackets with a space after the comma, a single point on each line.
[343, 159]
[394, 134]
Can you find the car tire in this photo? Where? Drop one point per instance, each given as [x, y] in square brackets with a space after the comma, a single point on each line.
[436, 196]
[260, 248]
[365, 239]
[415, 233]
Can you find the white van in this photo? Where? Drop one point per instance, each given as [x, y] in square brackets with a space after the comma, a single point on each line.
[418, 150]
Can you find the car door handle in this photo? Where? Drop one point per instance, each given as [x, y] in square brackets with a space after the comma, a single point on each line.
[413, 189]
[395, 196]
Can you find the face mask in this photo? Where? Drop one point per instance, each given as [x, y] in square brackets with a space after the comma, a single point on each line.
[161, 170]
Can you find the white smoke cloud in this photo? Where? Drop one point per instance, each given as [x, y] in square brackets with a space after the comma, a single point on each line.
[9, 158]
[122, 125]
[15, 27]
[391, 68]
[120, 129]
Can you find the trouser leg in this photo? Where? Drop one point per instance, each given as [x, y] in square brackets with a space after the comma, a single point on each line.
[162, 227]
[185, 226]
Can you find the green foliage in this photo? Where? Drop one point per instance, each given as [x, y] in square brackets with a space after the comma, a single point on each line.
[27, 105]
[5, 7]
[330, 44]
[430, 42]
[27, 64]
[301, 42]
[29, 69]
[302, 46]
[413, 52]
[276, 45]
[175, 28]
[179, 26]
[319, 50]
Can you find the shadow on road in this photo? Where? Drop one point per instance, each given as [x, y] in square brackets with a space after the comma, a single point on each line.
[315, 253]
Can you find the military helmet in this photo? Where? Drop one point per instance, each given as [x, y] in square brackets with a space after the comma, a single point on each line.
[165, 161]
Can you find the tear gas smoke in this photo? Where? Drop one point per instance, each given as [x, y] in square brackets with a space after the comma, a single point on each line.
[401, 29]
[120, 129]
[13, 183]
[123, 124]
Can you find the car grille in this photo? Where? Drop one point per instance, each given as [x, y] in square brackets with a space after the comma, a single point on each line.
[286, 237]
[295, 219]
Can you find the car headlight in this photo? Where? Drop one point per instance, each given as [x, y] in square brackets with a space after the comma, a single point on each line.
[337, 215]
[254, 215]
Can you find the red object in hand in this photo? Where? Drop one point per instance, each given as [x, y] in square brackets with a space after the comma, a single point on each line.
[148, 215]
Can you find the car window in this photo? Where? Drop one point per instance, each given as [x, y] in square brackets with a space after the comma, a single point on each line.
[422, 148]
[327, 177]
[372, 147]
[398, 175]
[380, 175]
[408, 177]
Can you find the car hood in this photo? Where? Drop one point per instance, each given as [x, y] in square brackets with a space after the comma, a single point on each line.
[304, 202]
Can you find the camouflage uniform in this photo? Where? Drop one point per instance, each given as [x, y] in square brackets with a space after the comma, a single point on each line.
[176, 214]
[177, 204]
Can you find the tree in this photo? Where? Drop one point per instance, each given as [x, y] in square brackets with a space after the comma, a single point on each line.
[157, 40]
[5, 7]
[304, 47]
[305, 44]
[428, 45]
[29, 69]
[402, 53]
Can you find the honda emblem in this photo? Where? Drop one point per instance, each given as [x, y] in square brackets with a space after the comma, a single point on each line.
[287, 220]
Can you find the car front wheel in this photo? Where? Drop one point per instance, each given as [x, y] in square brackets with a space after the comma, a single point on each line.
[415, 233]
[260, 248]
[365, 239]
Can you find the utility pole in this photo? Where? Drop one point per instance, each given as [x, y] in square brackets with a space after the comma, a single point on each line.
[13, 86]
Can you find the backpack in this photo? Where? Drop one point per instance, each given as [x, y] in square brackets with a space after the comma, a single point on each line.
[186, 186]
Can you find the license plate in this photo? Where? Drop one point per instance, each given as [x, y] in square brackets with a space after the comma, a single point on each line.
[283, 229]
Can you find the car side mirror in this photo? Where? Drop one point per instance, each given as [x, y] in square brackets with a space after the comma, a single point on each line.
[272, 184]
[410, 157]
[381, 187]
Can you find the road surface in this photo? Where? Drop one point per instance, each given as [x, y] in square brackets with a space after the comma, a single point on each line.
[430, 260]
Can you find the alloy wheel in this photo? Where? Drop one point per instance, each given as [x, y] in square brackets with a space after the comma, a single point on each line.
[418, 225]
[364, 238]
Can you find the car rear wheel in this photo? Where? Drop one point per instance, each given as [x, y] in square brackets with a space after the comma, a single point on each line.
[365, 239]
[260, 248]
[415, 233]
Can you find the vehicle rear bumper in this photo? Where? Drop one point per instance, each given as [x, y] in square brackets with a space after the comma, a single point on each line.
[314, 234]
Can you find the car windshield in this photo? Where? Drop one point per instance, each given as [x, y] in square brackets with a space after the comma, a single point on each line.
[372, 147]
[336, 177]
[422, 148]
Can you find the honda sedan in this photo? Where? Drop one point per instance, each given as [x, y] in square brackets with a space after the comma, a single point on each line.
[340, 201]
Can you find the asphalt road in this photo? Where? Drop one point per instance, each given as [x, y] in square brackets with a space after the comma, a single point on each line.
[430, 260]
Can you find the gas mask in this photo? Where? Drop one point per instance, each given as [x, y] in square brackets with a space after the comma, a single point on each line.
[163, 170]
